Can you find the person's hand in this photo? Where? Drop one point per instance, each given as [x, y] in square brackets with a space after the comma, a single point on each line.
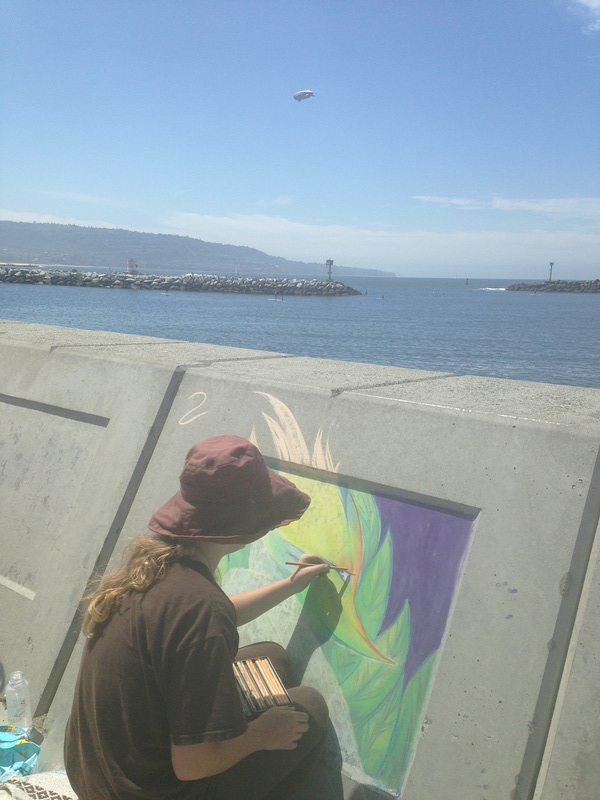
[302, 576]
[280, 728]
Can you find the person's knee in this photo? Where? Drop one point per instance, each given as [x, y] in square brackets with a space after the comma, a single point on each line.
[275, 652]
[307, 699]
[271, 650]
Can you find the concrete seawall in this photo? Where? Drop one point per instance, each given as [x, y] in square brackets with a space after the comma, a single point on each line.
[465, 660]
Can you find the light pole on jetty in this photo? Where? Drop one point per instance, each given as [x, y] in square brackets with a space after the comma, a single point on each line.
[550, 278]
[329, 265]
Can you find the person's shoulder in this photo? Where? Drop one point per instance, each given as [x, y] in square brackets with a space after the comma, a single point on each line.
[185, 604]
[187, 580]
[189, 570]
[192, 585]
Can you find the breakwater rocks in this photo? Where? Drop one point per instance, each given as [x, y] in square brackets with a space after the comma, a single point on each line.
[581, 287]
[177, 283]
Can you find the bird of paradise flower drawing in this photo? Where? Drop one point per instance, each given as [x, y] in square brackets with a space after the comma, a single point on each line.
[382, 650]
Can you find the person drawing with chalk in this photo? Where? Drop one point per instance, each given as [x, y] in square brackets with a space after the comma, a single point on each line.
[157, 712]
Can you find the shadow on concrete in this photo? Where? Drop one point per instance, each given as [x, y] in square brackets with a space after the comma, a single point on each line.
[317, 621]
[325, 780]
[362, 792]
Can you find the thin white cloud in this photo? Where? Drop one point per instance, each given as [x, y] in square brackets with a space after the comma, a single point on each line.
[412, 253]
[458, 202]
[483, 253]
[585, 207]
[273, 202]
[79, 197]
[566, 206]
[31, 216]
[590, 11]
[592, 5]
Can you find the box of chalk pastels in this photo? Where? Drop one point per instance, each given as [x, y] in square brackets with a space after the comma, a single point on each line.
[260, 686]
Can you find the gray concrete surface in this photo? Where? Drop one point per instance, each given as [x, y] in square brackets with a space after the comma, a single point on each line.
[81, 412]
[93, 430]
[571, 767]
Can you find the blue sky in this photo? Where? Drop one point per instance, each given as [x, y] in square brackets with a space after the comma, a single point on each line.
[443, 139]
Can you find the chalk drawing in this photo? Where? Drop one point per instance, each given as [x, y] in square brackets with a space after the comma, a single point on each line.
[379, 631]
[187, 417]
[17, 587]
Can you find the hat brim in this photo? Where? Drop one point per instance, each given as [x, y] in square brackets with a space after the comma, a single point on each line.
[240, 523]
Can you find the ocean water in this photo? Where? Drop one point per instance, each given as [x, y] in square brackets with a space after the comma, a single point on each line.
[433, 324]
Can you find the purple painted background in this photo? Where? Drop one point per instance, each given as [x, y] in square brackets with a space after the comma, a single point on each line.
[429, 547]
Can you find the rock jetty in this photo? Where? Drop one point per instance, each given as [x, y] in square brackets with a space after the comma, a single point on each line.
[176, 283]
[582, 287]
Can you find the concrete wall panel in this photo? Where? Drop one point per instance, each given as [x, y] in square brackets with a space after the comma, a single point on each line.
[72, 432]
[571, 768]
[527, 478]
[41, 542]
[80, 412]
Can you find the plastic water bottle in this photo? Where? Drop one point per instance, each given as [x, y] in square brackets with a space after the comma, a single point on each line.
[18, 704]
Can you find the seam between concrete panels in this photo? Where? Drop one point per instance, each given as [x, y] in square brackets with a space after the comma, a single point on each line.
[588, 584]
[241, 359]
[166, 342]
[559, 646]
[474, 411]
[402, 382]
[102, 345]
[57, 411]
[111, 539]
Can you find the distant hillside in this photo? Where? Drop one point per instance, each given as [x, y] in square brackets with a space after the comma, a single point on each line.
[107, 248]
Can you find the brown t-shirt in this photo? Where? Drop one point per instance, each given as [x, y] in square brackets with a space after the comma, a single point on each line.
[158, 672]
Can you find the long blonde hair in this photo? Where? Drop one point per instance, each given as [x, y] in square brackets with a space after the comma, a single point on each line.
[144, 562]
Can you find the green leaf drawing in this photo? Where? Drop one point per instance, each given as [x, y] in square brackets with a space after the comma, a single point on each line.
[377, 730]
[373, 591]
[385, 717]
[367, 513]
[403, 737]
[344, 662]
[353, 522]
[395, 640]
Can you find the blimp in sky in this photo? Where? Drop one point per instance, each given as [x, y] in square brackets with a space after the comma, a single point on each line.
[304, 94]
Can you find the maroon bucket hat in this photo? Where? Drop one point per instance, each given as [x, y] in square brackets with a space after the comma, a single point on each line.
[228, 495]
